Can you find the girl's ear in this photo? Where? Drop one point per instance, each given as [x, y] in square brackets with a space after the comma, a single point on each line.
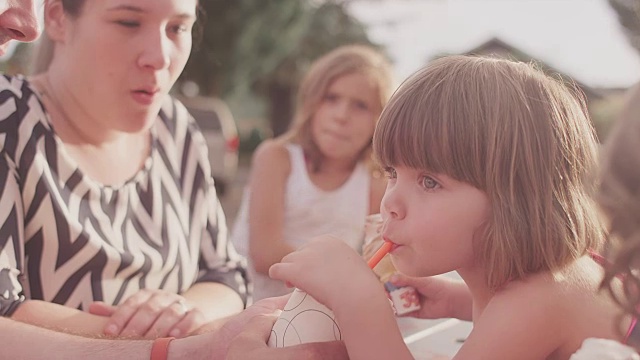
[55, 20]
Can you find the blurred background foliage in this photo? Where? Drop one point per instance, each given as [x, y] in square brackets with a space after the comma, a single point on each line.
[253, 53]
[628, 12]
[605, 112]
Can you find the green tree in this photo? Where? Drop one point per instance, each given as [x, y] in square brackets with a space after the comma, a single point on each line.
[263, 47]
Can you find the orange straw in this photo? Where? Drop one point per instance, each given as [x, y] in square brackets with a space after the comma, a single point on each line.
[380, 253]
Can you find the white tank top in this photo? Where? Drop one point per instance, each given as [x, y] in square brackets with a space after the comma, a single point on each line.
[309, 212]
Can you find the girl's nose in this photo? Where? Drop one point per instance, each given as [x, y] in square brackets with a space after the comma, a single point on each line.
[391, 205]
[342, 111]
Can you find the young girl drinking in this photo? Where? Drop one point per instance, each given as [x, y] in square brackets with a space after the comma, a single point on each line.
[488, 163]
[318, 178]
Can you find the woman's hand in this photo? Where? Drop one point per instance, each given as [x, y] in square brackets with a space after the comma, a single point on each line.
[329, 270]
[150, 314]
[439, 297]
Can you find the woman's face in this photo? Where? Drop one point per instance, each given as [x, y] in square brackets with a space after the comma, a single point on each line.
[17, 22]
[120, 58]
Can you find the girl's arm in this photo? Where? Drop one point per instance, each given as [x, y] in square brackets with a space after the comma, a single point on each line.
[337, 276]
[270, 169]
[370, 309]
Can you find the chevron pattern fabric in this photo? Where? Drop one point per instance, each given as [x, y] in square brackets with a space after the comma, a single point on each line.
[67, 239]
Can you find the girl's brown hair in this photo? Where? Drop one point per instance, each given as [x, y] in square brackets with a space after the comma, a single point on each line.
[341, 61]
[619, 198]
[520, 136]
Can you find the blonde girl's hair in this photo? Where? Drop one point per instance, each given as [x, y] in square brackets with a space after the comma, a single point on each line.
[619, 198]
[341, 61]
[523, 138]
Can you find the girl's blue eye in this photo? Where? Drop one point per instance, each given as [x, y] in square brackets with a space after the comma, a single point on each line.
[429, 183]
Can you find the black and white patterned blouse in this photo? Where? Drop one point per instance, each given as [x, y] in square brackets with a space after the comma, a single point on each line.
[67, 239]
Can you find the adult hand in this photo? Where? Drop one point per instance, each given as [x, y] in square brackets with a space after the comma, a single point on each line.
[320, 268]
[150, 314]
[251, 343]
[236, 323]
[439, 297]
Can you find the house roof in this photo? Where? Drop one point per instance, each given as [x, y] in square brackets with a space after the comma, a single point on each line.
[500, 48]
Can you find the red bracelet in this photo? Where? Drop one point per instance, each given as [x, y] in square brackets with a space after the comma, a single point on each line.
[160, 348]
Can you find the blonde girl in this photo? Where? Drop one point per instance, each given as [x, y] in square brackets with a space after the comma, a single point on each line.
[488, 163]
[318, 177]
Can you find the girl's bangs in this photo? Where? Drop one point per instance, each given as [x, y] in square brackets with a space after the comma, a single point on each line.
[427, 130]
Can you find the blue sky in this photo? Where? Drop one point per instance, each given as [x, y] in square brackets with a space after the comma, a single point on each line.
[581, 38]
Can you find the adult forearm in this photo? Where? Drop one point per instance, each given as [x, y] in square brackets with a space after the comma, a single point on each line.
[215, 300]
[24, 341]
[60, 318]
[27, 342]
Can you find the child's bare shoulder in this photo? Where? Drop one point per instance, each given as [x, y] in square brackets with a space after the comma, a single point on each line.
[270, 151]
[271, 157]
[557, 290]
[537, 294]
[533, 309]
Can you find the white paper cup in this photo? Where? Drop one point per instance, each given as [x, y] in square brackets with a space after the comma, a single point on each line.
[303, 320]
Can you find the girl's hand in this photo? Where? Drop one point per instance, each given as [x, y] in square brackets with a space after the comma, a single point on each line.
[439, 297]
[150, 314]
[329, 270]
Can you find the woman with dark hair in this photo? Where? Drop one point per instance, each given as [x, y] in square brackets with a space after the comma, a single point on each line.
[113, 209]
[106, 199]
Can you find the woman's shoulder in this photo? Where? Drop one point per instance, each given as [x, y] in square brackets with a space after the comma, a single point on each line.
[15, 84]
[15, 94]
[21, 111]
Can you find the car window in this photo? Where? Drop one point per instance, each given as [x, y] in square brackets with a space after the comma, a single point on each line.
[207, 120]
